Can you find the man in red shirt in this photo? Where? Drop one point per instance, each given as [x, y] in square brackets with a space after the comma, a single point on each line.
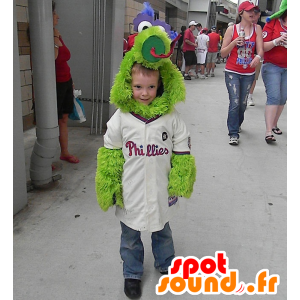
[189, 49]
[212, 52]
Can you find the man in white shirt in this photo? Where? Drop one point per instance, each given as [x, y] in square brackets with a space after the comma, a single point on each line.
[199, 28]
[202, 46]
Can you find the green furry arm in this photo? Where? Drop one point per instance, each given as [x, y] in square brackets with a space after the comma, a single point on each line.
[182, 175]
[109, 177]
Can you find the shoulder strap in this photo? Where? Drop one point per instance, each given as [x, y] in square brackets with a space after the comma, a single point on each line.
[234, 28]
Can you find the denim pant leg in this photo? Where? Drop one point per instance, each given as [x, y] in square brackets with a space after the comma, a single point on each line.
[283, 86]
[238, 87]
[275, 81]
[132, 252]
[163, 248]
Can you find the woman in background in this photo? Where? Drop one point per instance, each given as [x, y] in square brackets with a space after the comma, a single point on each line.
[240, 65]
[64, 89]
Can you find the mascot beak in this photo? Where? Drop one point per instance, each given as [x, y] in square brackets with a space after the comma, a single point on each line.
[154, 46]
[153, 49]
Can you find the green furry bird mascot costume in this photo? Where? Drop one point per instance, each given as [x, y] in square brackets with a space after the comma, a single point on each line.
[139, 172]
[145, 164]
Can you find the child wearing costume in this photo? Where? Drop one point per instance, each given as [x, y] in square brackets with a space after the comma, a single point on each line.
[145, 164]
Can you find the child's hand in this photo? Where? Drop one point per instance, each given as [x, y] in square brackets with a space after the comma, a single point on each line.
[109, 178]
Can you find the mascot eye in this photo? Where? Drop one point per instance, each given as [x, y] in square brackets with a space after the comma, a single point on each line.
[162, 28]
[144, 25]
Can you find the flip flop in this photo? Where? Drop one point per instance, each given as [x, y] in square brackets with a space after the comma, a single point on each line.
[270, 139]
[71, 159]
[276, 130]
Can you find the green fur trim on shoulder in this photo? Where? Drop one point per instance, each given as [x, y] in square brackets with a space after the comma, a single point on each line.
[108, 180]
[182, 175]
[174, 88]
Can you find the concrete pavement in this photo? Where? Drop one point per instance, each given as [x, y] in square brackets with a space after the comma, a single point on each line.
[65, 247]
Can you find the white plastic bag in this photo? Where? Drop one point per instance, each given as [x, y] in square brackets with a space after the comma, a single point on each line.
[78, 113]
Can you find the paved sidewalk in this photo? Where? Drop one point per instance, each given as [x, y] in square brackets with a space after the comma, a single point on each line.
[66, 248]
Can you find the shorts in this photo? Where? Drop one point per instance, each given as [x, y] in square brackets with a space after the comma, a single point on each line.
[211, 57]
[64, 94]
[190, 58]
[201, 56]
[275, 80]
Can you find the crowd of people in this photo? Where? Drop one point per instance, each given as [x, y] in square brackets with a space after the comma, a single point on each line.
[200, 52]
[250, 47]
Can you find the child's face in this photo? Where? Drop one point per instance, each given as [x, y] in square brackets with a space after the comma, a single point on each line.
[144, 87]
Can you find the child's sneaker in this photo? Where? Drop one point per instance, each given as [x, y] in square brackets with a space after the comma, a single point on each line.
[132, 288]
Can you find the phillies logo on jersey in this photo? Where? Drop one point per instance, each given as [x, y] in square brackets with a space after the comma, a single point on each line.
[264, 34]
[151, 150]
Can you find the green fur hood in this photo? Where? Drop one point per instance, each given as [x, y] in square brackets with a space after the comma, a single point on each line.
[151, 49]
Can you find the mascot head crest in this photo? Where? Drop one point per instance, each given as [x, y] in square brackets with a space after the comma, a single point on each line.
[152, 48]
[278, 14]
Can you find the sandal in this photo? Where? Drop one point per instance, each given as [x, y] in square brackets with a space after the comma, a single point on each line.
[276, 130]
[270, 139]
[71, 159]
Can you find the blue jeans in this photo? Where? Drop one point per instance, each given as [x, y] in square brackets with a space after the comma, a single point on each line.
[238, 87]
[275, 80]
[132, 250]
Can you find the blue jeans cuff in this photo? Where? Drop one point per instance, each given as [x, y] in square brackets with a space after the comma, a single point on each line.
[132, 277]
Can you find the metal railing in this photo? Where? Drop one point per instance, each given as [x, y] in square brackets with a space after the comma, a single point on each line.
[99, 9]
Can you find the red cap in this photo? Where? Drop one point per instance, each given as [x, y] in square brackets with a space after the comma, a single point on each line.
[205, 29]
[246, 5]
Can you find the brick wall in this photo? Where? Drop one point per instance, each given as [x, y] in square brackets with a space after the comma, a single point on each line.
[25, 66]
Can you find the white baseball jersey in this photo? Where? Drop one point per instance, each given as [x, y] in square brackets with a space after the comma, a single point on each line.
[147, 147]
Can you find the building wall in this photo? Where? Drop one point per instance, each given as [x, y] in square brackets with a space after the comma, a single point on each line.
[25, 67]
[222, 19]
[199, 11]
[19, 174]
[176, 18]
